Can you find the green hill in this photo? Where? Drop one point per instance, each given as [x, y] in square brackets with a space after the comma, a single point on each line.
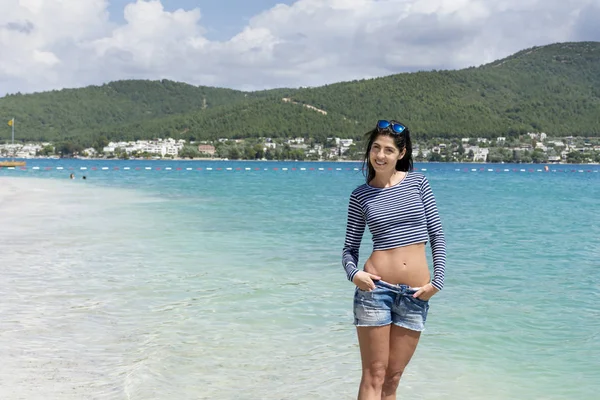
[554, 89]
[85, 111]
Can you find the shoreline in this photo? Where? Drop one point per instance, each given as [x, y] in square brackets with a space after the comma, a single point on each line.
[275, 161]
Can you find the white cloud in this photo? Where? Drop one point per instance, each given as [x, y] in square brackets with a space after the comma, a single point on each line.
[45, 57]
[48, 44]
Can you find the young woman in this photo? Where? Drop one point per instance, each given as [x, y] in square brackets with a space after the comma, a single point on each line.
[392, 293]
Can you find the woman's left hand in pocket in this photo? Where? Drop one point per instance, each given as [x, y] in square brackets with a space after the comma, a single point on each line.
[426, 292]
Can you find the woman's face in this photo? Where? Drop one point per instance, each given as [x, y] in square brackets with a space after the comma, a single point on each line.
[384, 154]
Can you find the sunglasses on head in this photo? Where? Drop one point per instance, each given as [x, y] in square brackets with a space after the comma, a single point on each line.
[395, 127]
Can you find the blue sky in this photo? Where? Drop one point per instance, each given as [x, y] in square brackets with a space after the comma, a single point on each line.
[263, 44]
[222, 19]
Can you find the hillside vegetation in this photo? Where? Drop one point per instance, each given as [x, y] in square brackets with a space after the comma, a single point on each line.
[553, 89]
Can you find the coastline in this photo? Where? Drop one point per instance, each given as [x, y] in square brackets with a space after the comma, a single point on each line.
[275, 161]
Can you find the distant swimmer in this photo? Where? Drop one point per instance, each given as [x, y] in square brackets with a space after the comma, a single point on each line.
[72, 176]
[84, 177]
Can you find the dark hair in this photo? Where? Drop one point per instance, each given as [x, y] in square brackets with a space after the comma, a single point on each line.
[401, 140]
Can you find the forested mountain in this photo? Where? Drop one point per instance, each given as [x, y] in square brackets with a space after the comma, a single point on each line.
[554, 89]
[87, 111]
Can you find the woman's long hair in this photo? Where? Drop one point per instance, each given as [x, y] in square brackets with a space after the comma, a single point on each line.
[402, 141]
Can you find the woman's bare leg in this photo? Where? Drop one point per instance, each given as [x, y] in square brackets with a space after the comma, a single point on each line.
[402, 345]
[374, 342]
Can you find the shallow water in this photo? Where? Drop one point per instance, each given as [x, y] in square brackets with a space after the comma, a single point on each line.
[228, 285]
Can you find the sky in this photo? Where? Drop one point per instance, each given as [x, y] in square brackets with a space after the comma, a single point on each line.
[263, 44]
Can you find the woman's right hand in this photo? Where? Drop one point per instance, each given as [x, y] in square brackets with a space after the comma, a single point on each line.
[364, 280]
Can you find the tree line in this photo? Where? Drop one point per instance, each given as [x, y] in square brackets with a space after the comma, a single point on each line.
[553, 89]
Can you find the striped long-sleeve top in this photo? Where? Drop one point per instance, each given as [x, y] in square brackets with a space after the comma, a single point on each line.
[397, 216]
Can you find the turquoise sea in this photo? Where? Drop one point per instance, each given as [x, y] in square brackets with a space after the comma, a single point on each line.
[223, 280]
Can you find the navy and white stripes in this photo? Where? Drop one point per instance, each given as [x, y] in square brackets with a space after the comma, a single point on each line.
[397, 216]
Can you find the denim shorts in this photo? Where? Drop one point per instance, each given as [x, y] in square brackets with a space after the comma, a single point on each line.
[389, 303]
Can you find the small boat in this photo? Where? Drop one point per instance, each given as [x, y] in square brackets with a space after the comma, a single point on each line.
[12, 163]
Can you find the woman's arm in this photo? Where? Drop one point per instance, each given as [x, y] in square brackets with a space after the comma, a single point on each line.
[436, 235]
[355, 228]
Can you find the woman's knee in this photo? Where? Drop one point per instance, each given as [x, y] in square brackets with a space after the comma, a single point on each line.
[375, 374]
[391, 381]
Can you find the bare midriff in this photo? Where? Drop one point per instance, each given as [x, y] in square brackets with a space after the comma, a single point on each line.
[405, 265]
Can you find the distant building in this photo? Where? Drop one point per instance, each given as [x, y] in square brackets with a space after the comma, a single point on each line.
[207, 149]
[554, 159]
[296, 141]
[160, 147]
[89, 152]
[481, 154]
